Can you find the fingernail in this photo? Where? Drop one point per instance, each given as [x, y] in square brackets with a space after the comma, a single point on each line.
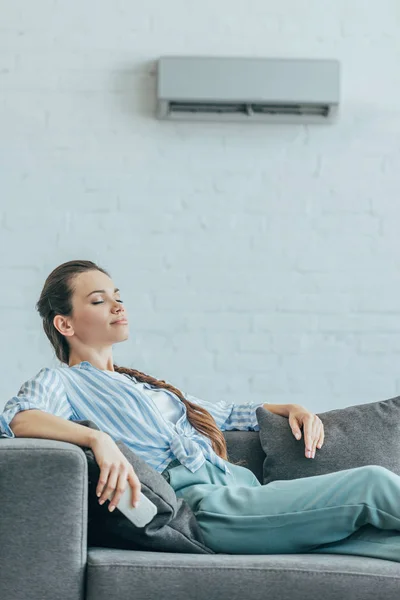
[112, 508]
[101, 501]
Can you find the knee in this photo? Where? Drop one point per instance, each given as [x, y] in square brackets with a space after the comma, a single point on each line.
[373, 471]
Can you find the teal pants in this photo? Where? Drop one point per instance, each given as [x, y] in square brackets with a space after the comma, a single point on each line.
[355, 511]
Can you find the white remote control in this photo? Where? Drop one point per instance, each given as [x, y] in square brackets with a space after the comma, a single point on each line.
[140, 515]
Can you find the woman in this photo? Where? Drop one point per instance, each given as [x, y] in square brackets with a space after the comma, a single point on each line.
[181, 437]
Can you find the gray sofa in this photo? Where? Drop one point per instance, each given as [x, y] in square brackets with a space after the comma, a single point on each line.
[44, 553]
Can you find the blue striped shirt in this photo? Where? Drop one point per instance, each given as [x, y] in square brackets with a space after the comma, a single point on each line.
[126, 409]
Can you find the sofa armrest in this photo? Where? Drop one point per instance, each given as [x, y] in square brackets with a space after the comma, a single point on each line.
[43, 519]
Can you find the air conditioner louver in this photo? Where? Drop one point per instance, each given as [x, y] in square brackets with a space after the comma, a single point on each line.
[248, 109]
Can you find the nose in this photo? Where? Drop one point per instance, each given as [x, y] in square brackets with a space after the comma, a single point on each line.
[119, 307]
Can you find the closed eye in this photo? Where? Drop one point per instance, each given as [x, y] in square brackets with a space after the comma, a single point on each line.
[102, 302]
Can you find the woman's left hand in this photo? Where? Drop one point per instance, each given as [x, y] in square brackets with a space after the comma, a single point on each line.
[312, 426]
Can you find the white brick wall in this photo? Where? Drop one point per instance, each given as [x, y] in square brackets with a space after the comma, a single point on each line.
[256, 262]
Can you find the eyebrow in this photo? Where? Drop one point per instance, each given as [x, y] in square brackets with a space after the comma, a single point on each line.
[101, 292]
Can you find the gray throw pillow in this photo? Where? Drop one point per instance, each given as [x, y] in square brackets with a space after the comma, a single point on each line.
[364, 434]
[173, 529]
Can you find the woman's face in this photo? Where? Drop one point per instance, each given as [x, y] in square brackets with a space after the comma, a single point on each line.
[94, 312]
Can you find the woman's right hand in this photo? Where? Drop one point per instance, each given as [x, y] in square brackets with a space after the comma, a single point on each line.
[115, 471]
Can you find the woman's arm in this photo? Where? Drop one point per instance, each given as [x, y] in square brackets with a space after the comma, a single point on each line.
[40, 424]
[279, 409]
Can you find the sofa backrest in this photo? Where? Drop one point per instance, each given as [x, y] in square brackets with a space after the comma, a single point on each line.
[245, 446]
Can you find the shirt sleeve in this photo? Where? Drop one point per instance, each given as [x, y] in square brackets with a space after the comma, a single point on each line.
[45, 391]
[228, 417]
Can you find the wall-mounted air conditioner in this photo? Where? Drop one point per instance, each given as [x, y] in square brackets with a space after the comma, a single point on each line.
[270, 90]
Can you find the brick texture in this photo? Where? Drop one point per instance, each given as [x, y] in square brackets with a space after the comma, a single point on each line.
[255, 261]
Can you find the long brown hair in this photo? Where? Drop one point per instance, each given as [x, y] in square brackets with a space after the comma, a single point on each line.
[56, 299]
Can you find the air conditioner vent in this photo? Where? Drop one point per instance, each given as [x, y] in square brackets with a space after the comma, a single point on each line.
[249, 108]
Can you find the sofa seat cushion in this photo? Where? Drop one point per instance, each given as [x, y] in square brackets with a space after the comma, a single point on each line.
[156, 575]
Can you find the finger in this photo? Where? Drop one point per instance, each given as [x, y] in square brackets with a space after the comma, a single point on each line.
[119, 490]
[308, 437]
[104, 471]
[110, 485]
[297, 433]
[321, 439]
[314, 446]
[136, 487]
[316, 437]
[295, 429]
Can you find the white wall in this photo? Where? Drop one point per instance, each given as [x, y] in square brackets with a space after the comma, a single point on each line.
[256, 261]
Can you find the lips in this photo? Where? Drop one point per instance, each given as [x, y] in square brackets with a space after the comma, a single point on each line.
[120, 321]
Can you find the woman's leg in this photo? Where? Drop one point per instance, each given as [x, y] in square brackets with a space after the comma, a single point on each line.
[238, 515]
[366, 541]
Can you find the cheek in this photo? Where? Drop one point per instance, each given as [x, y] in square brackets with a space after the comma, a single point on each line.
[92, 317]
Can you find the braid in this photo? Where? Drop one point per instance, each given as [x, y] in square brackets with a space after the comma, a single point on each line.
[198, 416]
